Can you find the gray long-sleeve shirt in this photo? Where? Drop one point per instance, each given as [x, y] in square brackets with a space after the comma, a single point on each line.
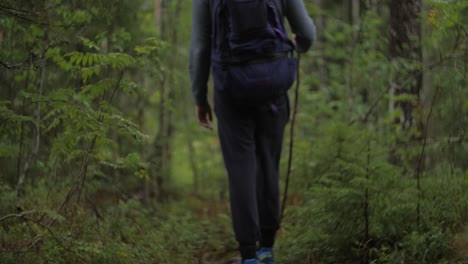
[200, 49]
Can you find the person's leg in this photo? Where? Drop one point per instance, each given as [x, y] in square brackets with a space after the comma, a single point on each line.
[236, 134]
[271, 120]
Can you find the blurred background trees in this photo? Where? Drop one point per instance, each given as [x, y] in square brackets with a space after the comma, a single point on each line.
[102, 160]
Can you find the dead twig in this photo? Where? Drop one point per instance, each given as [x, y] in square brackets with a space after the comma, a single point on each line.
[23, 217]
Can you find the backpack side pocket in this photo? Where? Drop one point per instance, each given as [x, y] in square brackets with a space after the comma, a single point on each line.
[257, 82]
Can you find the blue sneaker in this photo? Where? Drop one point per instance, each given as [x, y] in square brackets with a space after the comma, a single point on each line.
[250, 261]
[265, 256]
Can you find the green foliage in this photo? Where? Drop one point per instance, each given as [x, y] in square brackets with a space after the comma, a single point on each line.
[347, 145]
[126, 232]
[86, 84]
[328, 226]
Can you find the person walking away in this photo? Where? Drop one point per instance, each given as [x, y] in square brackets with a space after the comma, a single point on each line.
[245, 45]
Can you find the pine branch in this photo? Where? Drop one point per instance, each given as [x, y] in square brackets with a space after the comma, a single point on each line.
[33, 57]
[81, 109]
[81, 178]
[10, 67]
[13, 9]
[20, 15]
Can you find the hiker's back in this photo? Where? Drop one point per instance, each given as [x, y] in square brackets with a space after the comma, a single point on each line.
[244, 43]
[252, 55]
[245, 30]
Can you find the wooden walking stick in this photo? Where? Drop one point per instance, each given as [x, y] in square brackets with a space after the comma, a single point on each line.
[291, 136]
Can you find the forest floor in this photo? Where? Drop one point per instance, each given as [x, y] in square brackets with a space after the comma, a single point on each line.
[111, 227]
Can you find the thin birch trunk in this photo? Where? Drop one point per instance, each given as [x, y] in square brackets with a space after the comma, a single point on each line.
[36, 140]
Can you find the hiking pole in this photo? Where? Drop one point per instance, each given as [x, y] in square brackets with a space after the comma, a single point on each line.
[291, 135]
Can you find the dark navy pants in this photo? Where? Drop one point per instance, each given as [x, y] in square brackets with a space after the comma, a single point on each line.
[251, 137]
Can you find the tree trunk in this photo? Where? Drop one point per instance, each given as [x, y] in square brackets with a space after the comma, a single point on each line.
[157, 156]
[405, 46]
[36, 140]
[157, 12]
[406, 49]
[355, 13]
[427, 88]
[321, 46]
[161, 153]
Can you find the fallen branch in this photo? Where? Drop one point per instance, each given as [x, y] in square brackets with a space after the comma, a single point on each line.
[23, 217]
[23, 214]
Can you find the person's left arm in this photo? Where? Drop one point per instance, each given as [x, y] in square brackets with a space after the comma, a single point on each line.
[200, 50]
[200, 59]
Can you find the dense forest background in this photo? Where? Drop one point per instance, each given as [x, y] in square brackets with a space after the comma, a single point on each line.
[102, 160]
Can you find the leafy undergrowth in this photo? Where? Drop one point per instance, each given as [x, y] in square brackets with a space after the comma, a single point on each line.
[125, 232]
[197, 230]
[326, 228]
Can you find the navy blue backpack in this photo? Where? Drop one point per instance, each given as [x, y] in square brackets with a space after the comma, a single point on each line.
[252, 55]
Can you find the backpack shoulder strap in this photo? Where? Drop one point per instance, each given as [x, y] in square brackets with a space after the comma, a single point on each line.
[279, 5]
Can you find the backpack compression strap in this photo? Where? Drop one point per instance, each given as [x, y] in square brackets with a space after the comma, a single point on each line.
[220, 28]
[277, 4]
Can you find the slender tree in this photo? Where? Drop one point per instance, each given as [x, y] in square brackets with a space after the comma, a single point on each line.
[405, 47]
[160, 157]
[320, 21]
